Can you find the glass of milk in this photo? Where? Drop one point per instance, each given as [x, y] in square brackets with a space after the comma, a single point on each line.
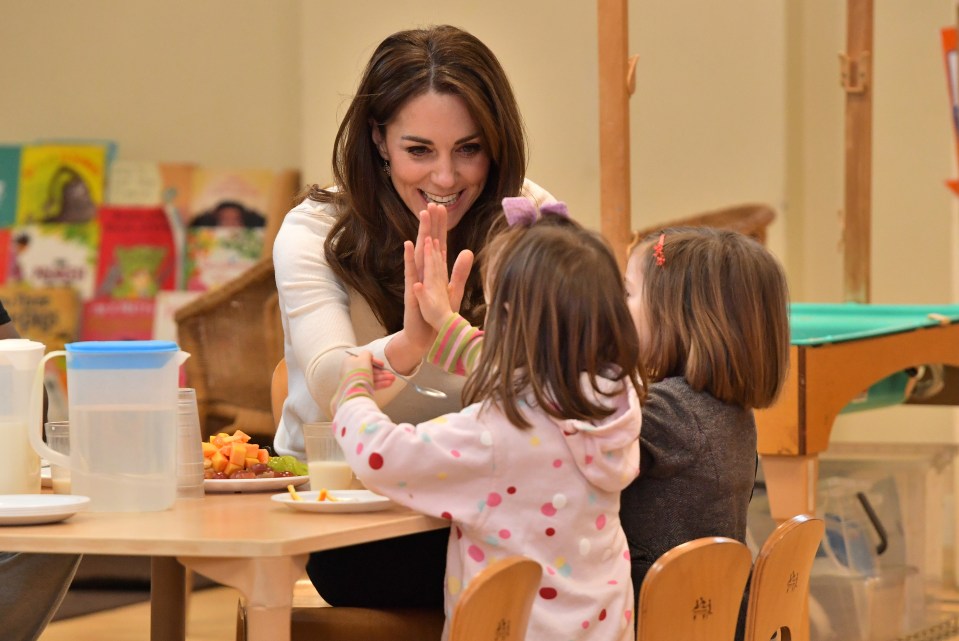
[328, 467]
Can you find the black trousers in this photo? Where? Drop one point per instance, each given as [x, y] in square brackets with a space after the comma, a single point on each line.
[405, 572]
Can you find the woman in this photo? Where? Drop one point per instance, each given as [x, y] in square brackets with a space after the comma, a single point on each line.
[433, 121]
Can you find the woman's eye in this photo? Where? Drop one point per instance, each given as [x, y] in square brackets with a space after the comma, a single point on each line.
[417, 150]
[471, 149]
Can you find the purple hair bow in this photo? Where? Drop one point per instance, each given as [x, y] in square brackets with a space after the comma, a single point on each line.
[521, 211]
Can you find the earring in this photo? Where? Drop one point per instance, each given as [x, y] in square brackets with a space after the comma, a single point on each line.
[386, 167]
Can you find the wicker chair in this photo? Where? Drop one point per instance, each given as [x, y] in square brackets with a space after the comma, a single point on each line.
[235, 339]
[750, 219]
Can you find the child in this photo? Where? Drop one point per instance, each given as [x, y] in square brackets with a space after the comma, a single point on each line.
[535, 462]
[710, 310]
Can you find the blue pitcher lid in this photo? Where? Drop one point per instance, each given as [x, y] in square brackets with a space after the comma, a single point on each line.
[121, 347]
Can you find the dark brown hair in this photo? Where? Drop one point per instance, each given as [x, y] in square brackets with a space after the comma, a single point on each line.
[717, 312]
[557, 312]
[364, 247]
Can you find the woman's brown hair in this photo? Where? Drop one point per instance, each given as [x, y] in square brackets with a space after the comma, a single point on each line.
[365, 245]
[557, 321]
[717, 313]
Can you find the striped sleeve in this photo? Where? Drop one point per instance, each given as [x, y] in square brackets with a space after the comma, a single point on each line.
[358, 382]
[457, 346]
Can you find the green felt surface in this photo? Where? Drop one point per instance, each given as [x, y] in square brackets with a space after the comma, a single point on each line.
[820, 323]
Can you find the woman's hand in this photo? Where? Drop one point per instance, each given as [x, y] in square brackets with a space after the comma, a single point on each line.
[434, 293]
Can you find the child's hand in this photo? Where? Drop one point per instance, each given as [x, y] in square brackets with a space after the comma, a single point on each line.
[382, 378]
[357, 378]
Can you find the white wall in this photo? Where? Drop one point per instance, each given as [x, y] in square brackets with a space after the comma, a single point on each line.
[214, 81]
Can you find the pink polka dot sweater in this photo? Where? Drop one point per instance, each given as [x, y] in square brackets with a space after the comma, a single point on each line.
[550, 492]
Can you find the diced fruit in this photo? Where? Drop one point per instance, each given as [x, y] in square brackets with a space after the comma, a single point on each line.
[237, 454]
[219, 462]
[208, 449]
[233, 456]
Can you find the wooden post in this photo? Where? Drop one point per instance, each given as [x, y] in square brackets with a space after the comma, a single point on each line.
[857, 80]
[614, 81]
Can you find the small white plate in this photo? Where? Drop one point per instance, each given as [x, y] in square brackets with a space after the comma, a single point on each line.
[214, 486]
[30, 509]
[350, 501]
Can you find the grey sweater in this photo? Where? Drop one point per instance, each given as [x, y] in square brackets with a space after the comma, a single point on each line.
[697, 469]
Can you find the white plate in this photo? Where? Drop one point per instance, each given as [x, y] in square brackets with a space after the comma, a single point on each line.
[350, 501]
[28, 509]
[214, 486]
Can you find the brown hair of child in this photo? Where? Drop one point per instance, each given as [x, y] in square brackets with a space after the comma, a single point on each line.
[556, 323]
[716, 305]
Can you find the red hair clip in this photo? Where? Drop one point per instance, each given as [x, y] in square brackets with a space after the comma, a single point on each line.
[658, 251]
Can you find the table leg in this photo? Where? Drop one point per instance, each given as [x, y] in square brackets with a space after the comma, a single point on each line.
[167, 599]
[790, 484]
[266, 584]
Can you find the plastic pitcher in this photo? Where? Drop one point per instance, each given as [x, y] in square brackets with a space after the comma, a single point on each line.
[19, 360]
[122, 403]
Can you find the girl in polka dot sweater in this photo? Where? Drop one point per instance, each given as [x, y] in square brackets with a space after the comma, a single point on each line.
[535, 462]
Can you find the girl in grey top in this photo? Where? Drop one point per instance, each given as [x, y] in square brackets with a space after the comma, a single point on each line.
[710, 307]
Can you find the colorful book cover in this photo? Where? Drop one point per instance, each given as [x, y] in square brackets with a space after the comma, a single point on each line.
[60, 183]
[137, 256]
[107, 319]
[47, 315]
[216, 255]
[9, 181]
[55, 255]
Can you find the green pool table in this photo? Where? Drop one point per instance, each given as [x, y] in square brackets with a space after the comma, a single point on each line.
[838, 351]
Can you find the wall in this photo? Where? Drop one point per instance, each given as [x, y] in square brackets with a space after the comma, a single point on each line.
[215, 82]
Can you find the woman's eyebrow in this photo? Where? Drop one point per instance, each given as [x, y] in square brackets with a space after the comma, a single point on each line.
[427, 141]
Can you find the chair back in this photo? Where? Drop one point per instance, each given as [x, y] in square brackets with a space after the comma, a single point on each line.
[694, 591]
[750, 219]
[779, 591]
[497, 602]
[278, 390]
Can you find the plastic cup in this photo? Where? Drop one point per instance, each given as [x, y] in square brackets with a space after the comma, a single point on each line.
[328, 467]
[58, 438]
[189, 461]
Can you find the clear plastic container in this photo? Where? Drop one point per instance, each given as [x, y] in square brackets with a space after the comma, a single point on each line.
[123, 418]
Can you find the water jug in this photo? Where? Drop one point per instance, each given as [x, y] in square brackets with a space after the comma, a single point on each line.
[19, 360]
[122, 401]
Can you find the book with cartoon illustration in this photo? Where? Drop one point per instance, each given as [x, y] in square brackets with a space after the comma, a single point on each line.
[138, 256]
[60, 183]
[54, 255]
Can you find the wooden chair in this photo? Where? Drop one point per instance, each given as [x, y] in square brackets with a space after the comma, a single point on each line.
[694, 591]
[779, 591]
[497, 602]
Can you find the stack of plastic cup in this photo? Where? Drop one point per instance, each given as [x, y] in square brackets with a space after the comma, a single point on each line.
[189, 466]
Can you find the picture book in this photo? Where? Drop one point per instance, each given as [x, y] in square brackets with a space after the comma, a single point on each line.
[216, 255]
[9, 181]
[55, 255]
[47, 315]
[60, 183]
[137, 256]
[109, 319]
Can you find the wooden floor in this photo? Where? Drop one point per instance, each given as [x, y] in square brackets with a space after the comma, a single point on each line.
[211, 617]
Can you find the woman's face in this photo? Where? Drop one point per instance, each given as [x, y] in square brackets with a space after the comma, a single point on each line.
[634, 297]
[436, 154]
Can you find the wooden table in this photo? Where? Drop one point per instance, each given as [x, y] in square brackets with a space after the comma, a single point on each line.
[822, 380]
[245, 541]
